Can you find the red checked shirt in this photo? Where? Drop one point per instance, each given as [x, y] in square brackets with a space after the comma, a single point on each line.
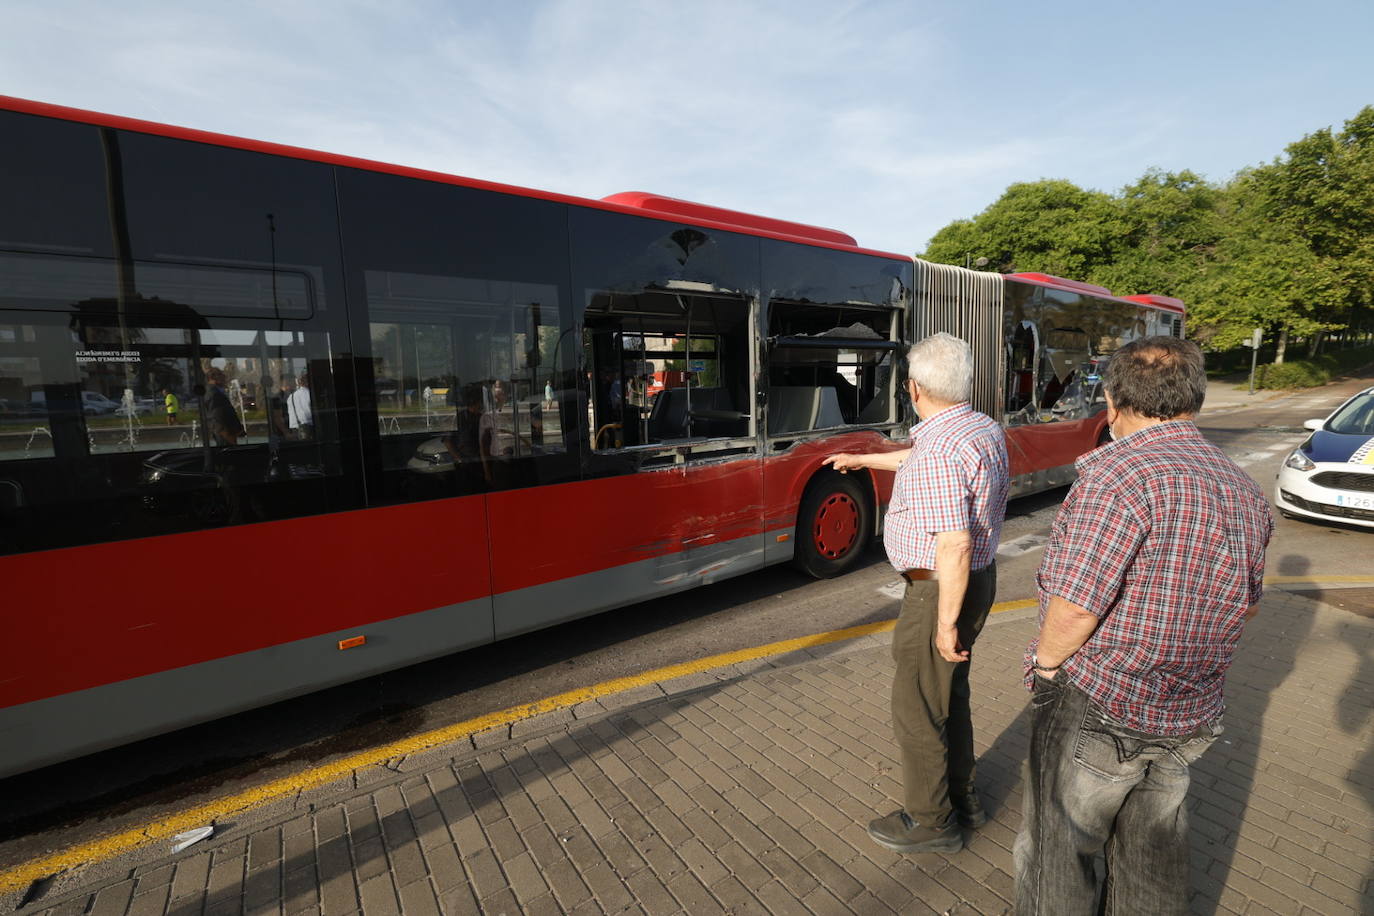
[955, 479]
[1163, 538]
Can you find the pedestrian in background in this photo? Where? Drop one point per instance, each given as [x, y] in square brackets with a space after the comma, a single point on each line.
[941, 531]
[1154, 563]
[222, 424]
[173, 405]
[300, 417]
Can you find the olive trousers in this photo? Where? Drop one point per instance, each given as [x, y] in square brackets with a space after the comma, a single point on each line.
[930, 698]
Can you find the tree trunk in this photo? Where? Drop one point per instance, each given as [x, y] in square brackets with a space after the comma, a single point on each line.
[1282, 346]
[1314, 344]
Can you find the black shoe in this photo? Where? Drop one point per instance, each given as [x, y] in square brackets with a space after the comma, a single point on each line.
[968, 809]
[898, 831]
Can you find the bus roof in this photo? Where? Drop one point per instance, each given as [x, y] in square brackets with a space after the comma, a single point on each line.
[1165, 303]
[637, 203]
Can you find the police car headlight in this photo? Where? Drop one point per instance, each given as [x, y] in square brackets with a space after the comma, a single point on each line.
[1298, 461]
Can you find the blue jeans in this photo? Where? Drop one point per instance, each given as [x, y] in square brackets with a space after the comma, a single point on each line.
[1096, 788]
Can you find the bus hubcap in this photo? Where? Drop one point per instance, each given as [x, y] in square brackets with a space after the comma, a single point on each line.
[837, 526]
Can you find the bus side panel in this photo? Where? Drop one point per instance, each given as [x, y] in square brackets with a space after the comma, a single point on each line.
[41, 732]
[609, 542]
[170, 602]
[787, 474]
[1042, 454]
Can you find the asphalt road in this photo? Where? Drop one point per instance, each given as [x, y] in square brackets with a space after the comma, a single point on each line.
[126, 787]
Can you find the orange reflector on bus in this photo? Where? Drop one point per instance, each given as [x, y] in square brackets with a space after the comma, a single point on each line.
[783, 537]
[352, 642]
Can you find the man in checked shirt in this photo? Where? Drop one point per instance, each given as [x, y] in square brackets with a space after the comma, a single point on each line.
[1155, 562]
[948, 501]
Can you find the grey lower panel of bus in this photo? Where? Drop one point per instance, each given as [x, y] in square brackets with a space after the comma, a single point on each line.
[59, 728]
[1038, 481]
[554, 602]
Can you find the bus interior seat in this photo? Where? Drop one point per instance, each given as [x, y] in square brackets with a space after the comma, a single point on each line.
[828, 412]
[793, 408]
[875, 411]
[668, 416]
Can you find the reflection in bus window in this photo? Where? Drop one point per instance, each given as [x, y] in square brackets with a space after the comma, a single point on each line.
[462, 369]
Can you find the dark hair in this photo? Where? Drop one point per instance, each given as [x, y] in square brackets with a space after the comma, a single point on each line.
[1157, 377]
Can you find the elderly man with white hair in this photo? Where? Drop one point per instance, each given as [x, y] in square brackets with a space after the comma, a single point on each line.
[943, 522]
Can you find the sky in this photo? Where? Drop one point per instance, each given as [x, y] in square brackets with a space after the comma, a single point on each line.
[886, 120]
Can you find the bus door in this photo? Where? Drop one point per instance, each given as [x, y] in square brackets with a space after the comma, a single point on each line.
[671, 495]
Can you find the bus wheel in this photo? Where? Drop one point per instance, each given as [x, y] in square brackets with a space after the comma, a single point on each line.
[833, 526]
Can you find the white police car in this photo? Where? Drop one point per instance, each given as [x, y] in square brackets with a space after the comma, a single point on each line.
[1331, 475]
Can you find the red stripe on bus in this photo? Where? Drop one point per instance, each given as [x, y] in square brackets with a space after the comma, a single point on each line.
[108, 612]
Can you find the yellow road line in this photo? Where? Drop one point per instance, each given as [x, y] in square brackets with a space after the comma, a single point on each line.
[1312, 580]
[118, 844]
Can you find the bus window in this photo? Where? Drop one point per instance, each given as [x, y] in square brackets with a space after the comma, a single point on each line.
[829, 366]
[24, 429]
[170, 260]
[462, 295]
[664, 368]
[465, 374]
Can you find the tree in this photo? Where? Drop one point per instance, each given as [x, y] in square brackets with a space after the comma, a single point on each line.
[1051, 226]
[1172, 223]
[1260, 274]
[1321, 193]
[1287, 246]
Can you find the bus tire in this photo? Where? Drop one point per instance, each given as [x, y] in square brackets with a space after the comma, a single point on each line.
[834, 526]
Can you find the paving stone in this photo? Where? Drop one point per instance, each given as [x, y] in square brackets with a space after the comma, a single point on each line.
[752, 795]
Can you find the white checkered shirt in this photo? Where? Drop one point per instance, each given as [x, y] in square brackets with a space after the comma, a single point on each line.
[955, 479]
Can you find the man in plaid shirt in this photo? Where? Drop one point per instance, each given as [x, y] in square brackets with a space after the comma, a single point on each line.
[945, 517]
[1155, 561]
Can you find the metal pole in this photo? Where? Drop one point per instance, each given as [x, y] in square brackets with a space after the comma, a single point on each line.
[1254, 358]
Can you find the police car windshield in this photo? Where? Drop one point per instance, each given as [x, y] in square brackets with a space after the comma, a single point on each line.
[1355, 417]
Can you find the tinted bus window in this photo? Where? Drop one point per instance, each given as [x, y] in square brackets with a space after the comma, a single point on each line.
[806, 274]
[149, 363]
[466, 318]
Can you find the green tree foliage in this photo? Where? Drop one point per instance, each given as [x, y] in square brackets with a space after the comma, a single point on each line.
[1287, 246]
[1049, 226]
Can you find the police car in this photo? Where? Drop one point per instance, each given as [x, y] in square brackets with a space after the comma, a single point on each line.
[1331, 475]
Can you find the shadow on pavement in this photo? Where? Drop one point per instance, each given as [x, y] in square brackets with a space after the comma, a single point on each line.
[1223, 780]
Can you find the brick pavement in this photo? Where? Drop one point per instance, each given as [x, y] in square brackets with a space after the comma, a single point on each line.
[748, 792]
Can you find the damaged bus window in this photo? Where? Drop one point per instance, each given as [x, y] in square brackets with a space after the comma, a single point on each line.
[663, 368]
[828, 367]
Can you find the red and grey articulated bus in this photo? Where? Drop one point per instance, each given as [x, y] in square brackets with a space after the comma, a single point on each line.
[273, 420]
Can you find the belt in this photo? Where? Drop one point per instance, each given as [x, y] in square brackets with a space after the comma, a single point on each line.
[918, 575]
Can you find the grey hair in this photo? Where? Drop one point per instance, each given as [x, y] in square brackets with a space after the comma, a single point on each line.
[942, 366]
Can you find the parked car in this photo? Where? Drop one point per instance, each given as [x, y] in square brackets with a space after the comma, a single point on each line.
[143, 407]
[1331, 475]
[93, 403]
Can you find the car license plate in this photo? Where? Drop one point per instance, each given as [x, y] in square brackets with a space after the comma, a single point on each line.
[1354, 502]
